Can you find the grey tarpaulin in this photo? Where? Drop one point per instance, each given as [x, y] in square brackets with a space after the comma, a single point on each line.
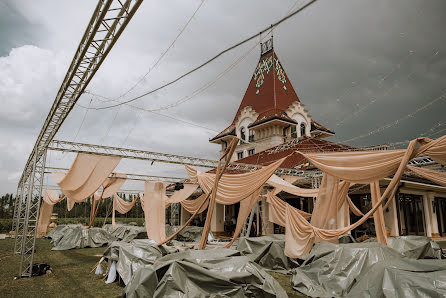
[267, 251]
[59, 231]
[127, 232]
[416, 247]
[206, 273]
[188, 234]
[134, 255]
[403, 278]
[81, 237]
[332, 270]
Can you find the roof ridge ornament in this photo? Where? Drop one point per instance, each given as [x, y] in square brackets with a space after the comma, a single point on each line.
[266, 46]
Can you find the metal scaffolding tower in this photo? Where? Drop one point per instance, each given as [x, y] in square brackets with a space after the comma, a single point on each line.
[107, 23]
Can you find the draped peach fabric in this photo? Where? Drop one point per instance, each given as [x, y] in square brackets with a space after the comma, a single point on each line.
[435, 149]
[121, 206]
[325, 211]
[234, 188]
[76, 176]
[300, 233]
[378, 218]
[113, 184]
[282, 185]
[155, 210]
[70, 204]
[244, 211]
[192, 206]
[353, 207]
[51, 197]
[367, 166]
[277, 210]
[46, 210]
[434, 176]
[182, 194]
[94, 177]
[358, 166]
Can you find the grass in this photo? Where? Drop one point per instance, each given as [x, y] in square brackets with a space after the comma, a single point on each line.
[70, 276]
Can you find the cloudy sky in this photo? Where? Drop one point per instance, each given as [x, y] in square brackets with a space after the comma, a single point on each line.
[372, 70]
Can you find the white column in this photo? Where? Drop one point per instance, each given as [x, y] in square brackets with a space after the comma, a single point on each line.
[267, 226]
[391, 219]
[433, 216]
[217, 222]
[427, 216]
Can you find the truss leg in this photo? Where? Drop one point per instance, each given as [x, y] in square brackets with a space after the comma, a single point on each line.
[17, 204]
[28, 216]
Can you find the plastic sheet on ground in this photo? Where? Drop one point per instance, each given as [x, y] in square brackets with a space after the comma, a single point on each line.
[205, 273]
[81, 237]
[130, 256]
[331, 270]
[416, 247]
[402, 278]
[189, 234]
[268, 252]
[127, 232]
[59, 231]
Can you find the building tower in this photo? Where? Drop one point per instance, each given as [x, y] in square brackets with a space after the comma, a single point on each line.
[270, 113]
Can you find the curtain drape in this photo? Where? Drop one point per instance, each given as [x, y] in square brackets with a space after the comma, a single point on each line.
[300, 233]
[234, 188]
[434, 176]
[121, 206]
[155, 210]
[82, 180]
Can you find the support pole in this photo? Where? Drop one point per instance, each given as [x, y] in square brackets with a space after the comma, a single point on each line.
[228, 154]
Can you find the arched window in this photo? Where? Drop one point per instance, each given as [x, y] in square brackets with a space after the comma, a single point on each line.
[251, 135]
[302, 129]
[242, 135]
[293, 131]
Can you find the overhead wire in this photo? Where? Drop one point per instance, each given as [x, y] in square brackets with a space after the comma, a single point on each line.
[82, 122]
[211, 59]
[188, 97]
[164, 53]
[354, 114]
[396, 122]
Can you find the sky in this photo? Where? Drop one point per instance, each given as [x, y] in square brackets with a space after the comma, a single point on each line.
[374, 71]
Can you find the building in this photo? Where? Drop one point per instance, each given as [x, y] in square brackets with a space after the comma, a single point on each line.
[272, 122]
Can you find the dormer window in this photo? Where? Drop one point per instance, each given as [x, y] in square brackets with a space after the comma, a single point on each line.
[240, 155]
[242, 135]
[302, 129]
[251, 135]
[293, 131]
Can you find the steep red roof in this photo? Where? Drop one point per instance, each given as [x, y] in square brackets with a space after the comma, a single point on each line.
[305, 144]
[269, 91]
[266, 88]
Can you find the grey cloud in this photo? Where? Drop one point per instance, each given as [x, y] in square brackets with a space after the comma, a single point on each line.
[333, 50]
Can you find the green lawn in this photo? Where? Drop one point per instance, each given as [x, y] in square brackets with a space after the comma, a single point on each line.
[71, 275]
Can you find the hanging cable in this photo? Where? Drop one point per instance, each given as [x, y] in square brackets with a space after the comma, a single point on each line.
[211, 59]
[165, 52]
[396, 122]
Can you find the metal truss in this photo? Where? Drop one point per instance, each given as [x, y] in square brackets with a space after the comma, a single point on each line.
[65, 146]
[27, 216]
[137, 177]
[107, 23]
[422, 161]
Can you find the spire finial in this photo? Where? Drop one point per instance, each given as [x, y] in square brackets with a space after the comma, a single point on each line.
[266, 46]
